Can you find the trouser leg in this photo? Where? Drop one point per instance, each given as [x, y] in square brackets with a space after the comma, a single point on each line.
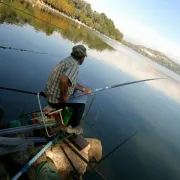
[78, 110]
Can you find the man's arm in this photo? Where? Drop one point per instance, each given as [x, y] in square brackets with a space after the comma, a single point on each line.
[64, 82]
[79, 87]
[83, 89]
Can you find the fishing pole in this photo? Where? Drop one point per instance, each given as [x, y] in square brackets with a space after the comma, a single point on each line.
[83, 159]
[22, 91]
[21, 129]
[27, 166]
[77, 175]
[115, 86]
[83, 94]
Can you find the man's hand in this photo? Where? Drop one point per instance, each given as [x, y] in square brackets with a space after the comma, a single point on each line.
[64, 99]
[87, 90]
[83, 89]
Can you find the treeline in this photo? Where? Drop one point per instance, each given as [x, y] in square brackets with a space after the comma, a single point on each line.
[158, 56]
[82, 11]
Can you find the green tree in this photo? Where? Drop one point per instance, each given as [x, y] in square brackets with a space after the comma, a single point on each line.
[89, 22]
[81, 10]
[88, 10]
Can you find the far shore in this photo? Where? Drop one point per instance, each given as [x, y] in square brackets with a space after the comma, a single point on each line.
[61, 13]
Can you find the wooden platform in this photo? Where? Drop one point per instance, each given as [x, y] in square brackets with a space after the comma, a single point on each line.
[79, 141]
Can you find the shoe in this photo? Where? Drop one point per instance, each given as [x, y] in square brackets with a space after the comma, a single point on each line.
[75, 130]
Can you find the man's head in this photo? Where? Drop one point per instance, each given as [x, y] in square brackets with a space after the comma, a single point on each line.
[79, 53]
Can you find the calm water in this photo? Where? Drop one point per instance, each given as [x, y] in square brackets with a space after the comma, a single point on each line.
[152, 107]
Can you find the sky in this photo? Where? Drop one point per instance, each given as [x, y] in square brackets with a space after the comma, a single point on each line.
[153, 23]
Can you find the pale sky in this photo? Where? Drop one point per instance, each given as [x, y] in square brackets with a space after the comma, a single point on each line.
[155, 23]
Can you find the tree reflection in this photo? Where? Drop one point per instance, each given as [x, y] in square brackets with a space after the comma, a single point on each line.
[67, 28]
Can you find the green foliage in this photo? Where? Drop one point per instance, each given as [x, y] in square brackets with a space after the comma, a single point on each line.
[67, 28]
[81, 10]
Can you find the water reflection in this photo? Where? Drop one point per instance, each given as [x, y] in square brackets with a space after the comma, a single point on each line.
[136, 66]
[68, 29]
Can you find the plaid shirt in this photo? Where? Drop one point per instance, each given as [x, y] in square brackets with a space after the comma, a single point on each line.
[68, 67]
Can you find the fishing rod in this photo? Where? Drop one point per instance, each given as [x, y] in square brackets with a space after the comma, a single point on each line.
[83, 159]
[115, 86]
[21, 129]
[83, 94]
[76, 175]
[28, 165]
[22, 91]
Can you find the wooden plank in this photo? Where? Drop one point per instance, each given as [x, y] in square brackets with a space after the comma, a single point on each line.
[79, 141]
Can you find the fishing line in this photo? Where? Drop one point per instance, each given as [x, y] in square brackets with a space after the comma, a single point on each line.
[84, 120]
[116, 148]
[121, 144]
[26, 50]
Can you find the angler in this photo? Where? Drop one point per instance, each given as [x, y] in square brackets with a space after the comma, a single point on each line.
[62, 83]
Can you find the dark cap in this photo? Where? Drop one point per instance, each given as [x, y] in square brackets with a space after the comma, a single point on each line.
[79, 50]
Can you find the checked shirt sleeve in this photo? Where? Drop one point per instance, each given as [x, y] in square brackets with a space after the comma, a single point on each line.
[72, 73]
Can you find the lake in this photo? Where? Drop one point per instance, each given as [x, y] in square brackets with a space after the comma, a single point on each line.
[152, 107]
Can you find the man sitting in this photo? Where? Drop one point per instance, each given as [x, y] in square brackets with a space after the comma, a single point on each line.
[61, 85]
